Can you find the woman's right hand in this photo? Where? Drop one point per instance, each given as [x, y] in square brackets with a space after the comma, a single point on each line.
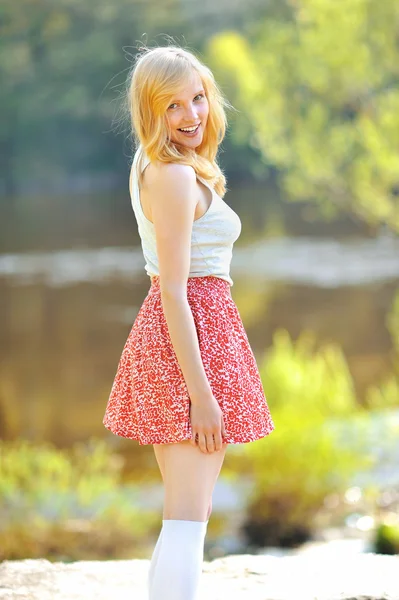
[207, 421]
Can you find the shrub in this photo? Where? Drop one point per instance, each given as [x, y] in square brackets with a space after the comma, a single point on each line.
[311, 397]
[66, 504]
[386, 539]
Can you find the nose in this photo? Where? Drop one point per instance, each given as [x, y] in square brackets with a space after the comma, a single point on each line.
[190, 114]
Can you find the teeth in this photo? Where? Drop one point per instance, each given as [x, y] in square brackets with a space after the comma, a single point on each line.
[189, 128]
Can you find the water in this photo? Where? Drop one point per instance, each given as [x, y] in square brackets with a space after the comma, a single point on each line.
[328, 263]
[72, 281]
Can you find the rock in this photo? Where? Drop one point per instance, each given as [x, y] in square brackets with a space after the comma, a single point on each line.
[251, 577]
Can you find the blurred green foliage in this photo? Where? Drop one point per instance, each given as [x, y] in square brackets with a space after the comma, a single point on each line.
[67, 504]
[63, 68]
[318, 97]
[314, 83]
[387, 539]
[88, 470]
[320, 441]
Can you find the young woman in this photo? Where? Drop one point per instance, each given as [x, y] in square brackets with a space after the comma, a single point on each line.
[187, 381]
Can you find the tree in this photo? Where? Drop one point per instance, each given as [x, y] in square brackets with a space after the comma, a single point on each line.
[318, 97]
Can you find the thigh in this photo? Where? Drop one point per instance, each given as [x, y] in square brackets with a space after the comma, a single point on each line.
[158, 451]
[189, 477]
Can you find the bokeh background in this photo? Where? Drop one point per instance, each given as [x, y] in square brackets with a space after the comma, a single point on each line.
[312, 161]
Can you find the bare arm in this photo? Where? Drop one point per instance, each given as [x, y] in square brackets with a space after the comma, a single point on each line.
[172, 195]
[172, 210]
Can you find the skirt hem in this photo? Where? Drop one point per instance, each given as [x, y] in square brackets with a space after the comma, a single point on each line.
[148, 441]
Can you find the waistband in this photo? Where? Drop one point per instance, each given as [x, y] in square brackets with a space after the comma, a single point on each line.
[210, 282]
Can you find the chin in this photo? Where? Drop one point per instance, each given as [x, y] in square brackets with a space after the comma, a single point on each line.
[193, 144]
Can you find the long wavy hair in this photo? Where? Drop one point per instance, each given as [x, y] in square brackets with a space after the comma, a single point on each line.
[155, 77]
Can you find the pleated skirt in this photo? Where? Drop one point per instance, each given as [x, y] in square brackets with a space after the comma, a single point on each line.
[149, 401]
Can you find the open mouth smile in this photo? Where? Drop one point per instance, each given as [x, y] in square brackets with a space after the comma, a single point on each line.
[190, 131]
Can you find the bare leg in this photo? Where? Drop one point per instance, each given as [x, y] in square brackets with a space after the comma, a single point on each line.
[189, 478]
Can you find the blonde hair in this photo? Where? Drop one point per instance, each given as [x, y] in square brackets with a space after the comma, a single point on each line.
[155, 77]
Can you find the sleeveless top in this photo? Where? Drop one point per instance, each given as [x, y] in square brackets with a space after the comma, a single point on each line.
[212, 237]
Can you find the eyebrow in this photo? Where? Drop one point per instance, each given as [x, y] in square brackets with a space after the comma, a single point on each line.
[196, 94]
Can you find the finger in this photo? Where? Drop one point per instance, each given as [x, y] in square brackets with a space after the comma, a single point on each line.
[197, 440]
[218, 441]
[210, 443]
[202, 443]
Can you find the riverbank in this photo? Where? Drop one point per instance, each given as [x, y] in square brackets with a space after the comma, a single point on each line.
[258, 577]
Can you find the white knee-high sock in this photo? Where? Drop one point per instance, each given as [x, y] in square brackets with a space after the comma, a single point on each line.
[154, 560]
[179, 561]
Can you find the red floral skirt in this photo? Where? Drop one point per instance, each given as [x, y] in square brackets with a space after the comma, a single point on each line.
[149, 400]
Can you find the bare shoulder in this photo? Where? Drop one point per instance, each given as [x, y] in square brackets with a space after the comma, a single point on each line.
[171, 175]
[171, 187]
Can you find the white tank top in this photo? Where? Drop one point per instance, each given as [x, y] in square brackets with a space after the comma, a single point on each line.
[212, 237]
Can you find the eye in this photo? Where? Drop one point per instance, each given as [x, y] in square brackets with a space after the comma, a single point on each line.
[197, 96]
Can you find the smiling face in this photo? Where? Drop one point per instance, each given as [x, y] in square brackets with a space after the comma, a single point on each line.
[189, 109]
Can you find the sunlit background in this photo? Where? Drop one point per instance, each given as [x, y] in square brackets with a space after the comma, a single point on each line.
[311, 157]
